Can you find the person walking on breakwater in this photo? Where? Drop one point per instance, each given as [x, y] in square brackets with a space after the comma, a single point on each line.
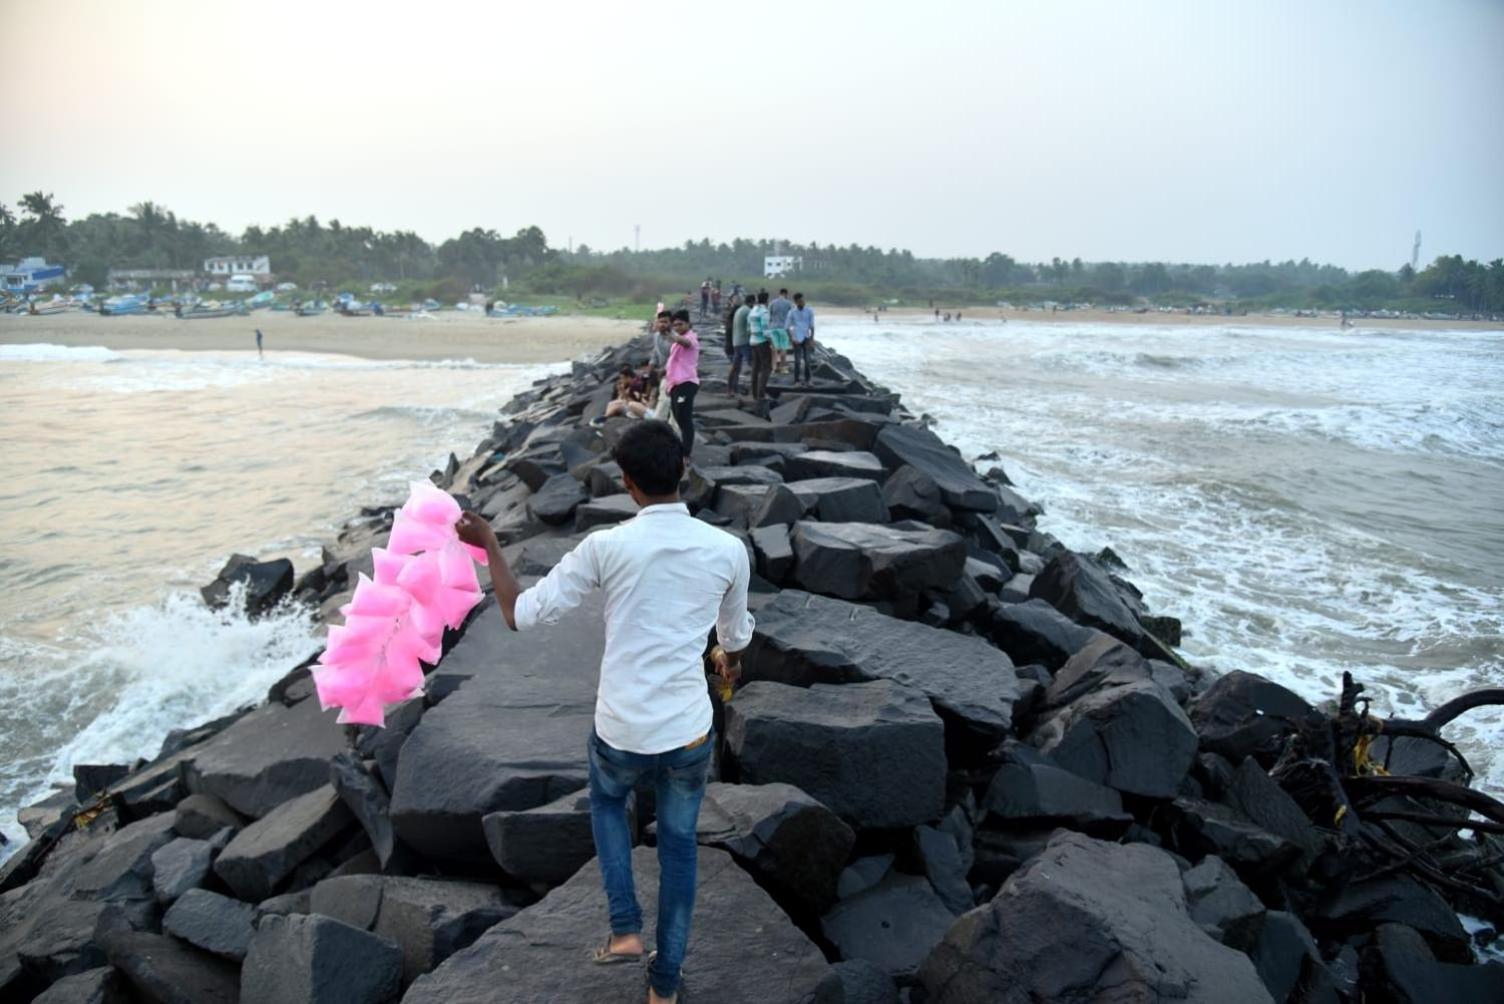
[259, 353]
[741, 346]
[762, 348]
[802, 333]
[682, 377]
[778, 330]
[668, 578]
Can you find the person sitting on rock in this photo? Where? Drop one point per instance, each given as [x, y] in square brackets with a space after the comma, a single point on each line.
[632, 395]
[668, 578]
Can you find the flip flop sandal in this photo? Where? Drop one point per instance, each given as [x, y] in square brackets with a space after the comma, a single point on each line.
[603, 956]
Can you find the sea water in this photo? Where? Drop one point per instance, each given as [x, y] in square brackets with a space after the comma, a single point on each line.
[126, 480]
[1308, 501]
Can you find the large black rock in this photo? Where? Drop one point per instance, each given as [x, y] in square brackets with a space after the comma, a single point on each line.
[1133, 738]
[892, 925]
[1035, 632]
[267, 757]
[266, 582]
[544, 844]
[897, 445]
[861, 560]
[512, 737]
[803, 639]
[203, 815]
[1398, 966]
[1222, 905]
[874, 753]
[841, 500]
[1242, 714]
[428, 919]
[165, 971]
[603, 511]
[1088, 920]
[773, 553]
[1392, 899]
[555, 500]
[833, 464]
[1085, 594]
[366, 798]
[318, 960]
[912, 494]
[1101, 662]
[795, 845]
[265, 853]
[739, 943]
[95, 986]
[1028, 789]
[212, 922]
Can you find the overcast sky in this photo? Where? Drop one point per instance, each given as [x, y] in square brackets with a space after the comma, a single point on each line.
[1203, 131]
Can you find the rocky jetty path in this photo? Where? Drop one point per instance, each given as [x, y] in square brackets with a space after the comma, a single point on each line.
[966, 765]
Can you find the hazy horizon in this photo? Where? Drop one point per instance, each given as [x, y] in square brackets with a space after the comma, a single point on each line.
[1183, 132]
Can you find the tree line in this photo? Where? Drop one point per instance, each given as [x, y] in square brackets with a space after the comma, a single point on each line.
[311, 252]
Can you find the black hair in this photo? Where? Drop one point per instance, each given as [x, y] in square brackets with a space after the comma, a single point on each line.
[762, 297]
[681, 315]
[783, 292]
[664, 313]
[626, 369]
[650, 453]
[798, 296]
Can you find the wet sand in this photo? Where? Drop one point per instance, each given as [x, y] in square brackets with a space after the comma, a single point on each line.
[444, 336]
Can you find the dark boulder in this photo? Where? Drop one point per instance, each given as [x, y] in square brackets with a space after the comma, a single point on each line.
[268, 851]
[91, 779]
[1028, 789]
[203, 815]
[1242, 714]
[1084, 593]
[1361, 906]
[1399, 967]
[318, 960]
[892, 925]
[862, 874]
[215, 923]
[1101, 662]
[832, 741]
[512, 737]
[899, 445]
[1035, 632]
[858, 981]
[945, 865]
[738, 503]
[739, 940]
[841, 500]
[744, 474]
[1133, 738]
[803, 639]
[265, 582]
[182, 864]
[909, 493]
[773, 553]
[1199, 827]
[604, 511]
[428, 919]
[1121, 911]
[546, 844]
[834, 464]
[1264, 803]
[267, 757]
[1289, 962]
[1222, 905]
[793, 844]
[163, 970]
[366, 798]
[866, 560]
[555, 500]
[779, 507]
[96, 986]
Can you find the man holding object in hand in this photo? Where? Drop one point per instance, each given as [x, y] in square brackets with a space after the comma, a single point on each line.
[668, 578]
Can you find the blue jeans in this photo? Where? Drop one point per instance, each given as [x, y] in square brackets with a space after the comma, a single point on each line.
[679, 777]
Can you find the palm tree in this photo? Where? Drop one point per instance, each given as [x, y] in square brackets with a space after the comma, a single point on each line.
[44, 229]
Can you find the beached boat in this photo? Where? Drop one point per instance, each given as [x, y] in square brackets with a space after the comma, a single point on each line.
[206, 313]
[260, 300]
[119, 306]
[311, 310]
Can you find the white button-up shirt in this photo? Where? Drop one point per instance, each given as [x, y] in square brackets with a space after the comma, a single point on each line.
[668, 577]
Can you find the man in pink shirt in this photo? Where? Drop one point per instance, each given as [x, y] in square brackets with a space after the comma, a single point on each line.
[682, 376]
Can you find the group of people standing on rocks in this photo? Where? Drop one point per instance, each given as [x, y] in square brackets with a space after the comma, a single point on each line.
[768, 336]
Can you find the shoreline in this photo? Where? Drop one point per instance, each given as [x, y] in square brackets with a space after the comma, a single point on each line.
[522, 340]
[972, 314]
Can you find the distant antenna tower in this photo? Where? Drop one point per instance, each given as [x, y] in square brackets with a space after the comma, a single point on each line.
[637, 237]
[1415, 252]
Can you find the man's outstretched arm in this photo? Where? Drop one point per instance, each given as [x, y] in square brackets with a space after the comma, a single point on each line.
[474, 530]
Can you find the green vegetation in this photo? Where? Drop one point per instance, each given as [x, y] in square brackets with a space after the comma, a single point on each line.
[331, 255]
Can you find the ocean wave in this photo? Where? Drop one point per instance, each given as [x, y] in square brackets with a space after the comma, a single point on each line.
[47, 352]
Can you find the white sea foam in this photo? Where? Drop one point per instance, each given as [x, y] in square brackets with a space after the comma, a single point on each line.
[46, 352]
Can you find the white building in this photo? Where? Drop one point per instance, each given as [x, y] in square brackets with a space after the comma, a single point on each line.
[258, 265]
[776, 266]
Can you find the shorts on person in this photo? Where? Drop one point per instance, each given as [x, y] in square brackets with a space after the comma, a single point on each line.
[781, 341]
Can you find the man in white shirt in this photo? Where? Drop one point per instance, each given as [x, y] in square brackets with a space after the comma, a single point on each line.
[668, 578]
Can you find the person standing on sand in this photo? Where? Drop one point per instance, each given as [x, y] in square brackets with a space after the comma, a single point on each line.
[259, 353]
[682, 377]
[668, 578]
[802, 332]
[762, 348]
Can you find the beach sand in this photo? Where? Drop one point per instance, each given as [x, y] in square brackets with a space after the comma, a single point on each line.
[971, 313]
[444, 336]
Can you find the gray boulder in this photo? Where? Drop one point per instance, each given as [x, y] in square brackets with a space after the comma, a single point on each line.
[1085, 594]
[778, 508]
[866, 560]
[1222, 905]
[118, 868]
[366, 798]
[1121, 910]
[841, 499]
[604, 511]
[773, 553]
[921, 449]
[554, 501]
[512, 737]
[859, 982]
[834, 464]
[893, 925]
[547, 843]
[833, 741]
[1401, 963]
[739, 940]
[1242, 714]
[802, 639]
[910, 493]
[429, 919]
[96, 986]
[215, 923]
[1133, 738]
[795, 845]
[267, 852]
[1102, 662]
[318, 960]
[203, 815]
[1029, 789]
[266, 582]
[163, 970]
[180, 865]
[267, 757]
